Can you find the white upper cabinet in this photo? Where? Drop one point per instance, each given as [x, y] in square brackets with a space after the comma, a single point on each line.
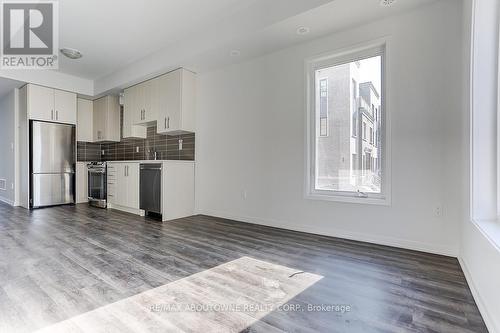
[106, 119]
[40, 103]
[141, 102]
[177, 102]
[85, 119]
[152, 100]
[168, 100]
[65, 106]
[132, 115]
[51, 104]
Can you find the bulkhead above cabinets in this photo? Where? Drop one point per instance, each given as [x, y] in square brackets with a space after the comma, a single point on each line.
[167, 101]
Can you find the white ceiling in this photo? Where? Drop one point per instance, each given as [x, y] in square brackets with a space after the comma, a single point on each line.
[126, 41]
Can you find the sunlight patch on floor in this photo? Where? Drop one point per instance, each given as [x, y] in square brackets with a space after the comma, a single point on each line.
[226, 298]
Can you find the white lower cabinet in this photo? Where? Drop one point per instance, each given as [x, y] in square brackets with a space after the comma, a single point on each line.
[81, 182]
[177, 188]
[123, 186]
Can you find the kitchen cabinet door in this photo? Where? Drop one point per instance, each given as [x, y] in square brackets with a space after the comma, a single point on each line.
[132, 185]
[64, 107]
[112, 130]
[99, 119]
[151, 100]
[170, 102]
[107, 119]
[137, 103]
[81, 182]
[121, 184]
[131, 116]
[177, 102]
[84, 123]
[40, 103]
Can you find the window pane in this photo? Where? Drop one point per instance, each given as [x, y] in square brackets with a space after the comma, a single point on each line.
[348, 102]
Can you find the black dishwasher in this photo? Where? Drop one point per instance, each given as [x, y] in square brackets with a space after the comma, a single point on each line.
[150, 184]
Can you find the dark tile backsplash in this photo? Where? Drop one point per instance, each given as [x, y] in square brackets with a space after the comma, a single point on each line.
[166, 148]
[86, 151]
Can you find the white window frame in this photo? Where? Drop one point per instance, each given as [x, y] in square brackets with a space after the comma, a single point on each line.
[380, 47]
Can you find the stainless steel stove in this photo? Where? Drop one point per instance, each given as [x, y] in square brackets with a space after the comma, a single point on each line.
[97, 184]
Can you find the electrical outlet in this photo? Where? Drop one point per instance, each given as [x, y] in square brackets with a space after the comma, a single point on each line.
[244, 194]
[438, 211]
[11, 186]
[180, 144]
[137, 149]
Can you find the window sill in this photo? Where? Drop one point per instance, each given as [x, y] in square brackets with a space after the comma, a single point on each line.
[490, 229]
[382, 201]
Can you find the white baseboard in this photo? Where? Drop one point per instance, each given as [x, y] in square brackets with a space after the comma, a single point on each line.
[362, 237]
[139, 212]
[7, 201]
[491, 324]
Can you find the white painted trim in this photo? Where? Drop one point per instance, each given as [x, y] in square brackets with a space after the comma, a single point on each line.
[360, 50]
[7, 201]
[338, 197]
[491, 325]
[16, 149]
[490, 230]
[361, 237]
[139, 212]
[470, 91]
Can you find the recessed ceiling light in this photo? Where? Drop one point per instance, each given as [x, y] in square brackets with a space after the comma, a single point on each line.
[387, 3]
[235, 53]
[71, 53]
[303, 31]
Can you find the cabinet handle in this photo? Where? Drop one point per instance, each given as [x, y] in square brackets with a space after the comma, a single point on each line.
[57, 115]
[165, 123]
[168, 122]
[52, 114]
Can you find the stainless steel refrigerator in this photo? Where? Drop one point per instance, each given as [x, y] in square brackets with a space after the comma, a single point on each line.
[52, 167]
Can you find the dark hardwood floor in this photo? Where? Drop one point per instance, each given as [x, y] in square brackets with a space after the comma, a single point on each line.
[82, 269]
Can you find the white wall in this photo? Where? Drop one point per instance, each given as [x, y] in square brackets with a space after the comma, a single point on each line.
[250, 136]
[8, 112]
[479, 254]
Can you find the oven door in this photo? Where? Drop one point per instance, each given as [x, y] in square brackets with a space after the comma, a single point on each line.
[97, 184]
